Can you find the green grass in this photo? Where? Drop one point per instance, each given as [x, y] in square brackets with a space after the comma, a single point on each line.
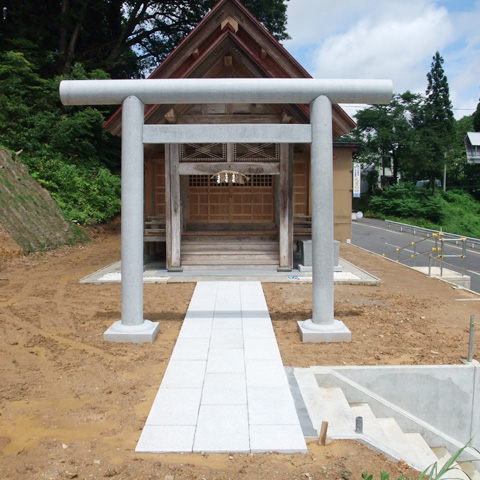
[453, 211]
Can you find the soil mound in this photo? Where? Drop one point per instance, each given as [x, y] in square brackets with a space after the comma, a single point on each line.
[30, 220]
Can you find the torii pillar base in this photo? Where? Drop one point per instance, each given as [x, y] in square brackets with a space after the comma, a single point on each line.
[319, 333]
[143, 333]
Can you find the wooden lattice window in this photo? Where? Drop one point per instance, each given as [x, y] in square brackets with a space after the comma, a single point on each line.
[241, 152]
[211, 181]
[205, 181]
[256, 152]
[198, 180]
[262, 180]
[203, 152]
[257, 181]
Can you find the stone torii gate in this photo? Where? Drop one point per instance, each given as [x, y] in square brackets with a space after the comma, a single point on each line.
[134, 94]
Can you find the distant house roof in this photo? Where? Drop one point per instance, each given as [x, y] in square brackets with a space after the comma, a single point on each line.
[472, 145]
[230, 39]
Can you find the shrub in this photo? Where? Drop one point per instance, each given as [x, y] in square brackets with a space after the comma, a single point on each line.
[453, 211]
[405, 200]
[65, 148]
[85, 196]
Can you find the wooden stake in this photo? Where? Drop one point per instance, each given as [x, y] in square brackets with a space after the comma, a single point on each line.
[323, 434]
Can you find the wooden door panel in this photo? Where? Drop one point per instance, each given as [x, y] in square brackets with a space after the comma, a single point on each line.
[233, 203]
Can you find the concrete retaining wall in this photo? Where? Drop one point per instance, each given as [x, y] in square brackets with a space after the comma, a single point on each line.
[445, 396]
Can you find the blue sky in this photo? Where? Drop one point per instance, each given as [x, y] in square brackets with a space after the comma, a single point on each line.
[393, 39]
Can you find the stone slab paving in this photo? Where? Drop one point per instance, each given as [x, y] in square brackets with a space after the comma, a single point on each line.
[225, 388]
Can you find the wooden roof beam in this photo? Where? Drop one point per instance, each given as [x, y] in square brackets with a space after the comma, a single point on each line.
[285, 117]
[171, 116]
[229, 24]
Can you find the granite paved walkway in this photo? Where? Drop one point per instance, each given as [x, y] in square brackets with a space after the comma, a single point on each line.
[225, 388]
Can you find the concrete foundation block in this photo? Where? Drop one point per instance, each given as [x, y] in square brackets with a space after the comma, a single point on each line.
[331, 333]
[306, 251]
[447, 275]
[143, 333]
[336, 251]
[307, 259]
[304, 268]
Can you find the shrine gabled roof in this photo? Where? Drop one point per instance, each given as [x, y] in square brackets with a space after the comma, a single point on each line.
[230, 41]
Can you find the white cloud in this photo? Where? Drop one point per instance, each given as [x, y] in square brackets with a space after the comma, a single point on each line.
[389, 39]
[463, 61]
[385, 48]
[312, 21]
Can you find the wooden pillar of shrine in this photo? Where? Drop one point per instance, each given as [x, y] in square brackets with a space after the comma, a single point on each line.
[173, 207]
[285, 205]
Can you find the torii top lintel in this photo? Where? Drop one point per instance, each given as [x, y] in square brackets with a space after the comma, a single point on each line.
[225, 90]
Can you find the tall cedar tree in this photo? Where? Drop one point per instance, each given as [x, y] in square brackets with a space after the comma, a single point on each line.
[435, 122]
[476, 118]
[125, 38]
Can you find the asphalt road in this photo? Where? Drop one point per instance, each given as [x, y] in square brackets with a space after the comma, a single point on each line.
[375, 236]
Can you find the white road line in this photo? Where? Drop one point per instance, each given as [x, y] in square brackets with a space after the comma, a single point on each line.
[429, 239]
[396, 246]
[377, 228]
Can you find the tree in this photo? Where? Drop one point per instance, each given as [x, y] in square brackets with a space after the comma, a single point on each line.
[386, 130]
[66, 148]
[476, 118]
[122, 37]
[434, 125]
[68, 153]
[461, 173]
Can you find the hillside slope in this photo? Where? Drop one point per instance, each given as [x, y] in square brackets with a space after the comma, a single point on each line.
[28, 214]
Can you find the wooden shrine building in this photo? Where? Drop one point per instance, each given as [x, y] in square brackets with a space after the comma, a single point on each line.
[235, 205]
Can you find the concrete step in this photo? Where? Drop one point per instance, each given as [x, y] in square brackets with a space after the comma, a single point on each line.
[312, 397]
[330, 404]
[425, 454]
[443, 457]
[471, 469]
[341, 422]
[398, 441]
[421, 454]
[371, 427]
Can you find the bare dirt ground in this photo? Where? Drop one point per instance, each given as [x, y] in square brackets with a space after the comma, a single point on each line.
[73, 406]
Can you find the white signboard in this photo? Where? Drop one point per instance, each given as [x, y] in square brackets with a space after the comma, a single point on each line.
[356, 180]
